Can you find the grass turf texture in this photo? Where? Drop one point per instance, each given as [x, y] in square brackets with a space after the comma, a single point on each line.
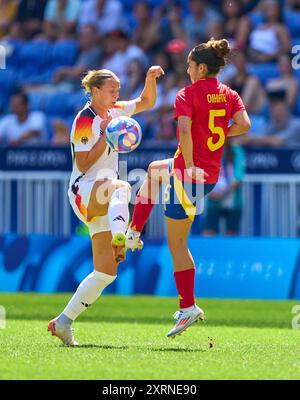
[125, 338]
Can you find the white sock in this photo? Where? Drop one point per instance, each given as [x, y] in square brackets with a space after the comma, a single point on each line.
[87, 293]
[118, 213]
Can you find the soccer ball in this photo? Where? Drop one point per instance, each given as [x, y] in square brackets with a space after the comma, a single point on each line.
[123, 134]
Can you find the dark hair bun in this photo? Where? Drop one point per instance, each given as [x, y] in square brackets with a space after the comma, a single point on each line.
[221, 47]
[212, 53]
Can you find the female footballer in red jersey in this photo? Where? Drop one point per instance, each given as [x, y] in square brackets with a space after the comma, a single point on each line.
[203, 111]
[97, 196]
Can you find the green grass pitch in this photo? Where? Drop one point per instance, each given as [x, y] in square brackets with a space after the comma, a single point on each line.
[125, 338]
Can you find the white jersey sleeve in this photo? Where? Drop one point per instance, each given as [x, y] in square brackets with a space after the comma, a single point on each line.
[85, 131]
[126, 108]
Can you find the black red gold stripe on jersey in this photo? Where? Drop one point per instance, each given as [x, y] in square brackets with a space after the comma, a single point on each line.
[83, 129]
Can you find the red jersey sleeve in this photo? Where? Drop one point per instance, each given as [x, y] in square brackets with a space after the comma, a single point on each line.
[183, 104]
[237, 103]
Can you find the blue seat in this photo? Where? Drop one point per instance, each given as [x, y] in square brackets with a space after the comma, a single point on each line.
[57, 104]
[33, 59]
[128, 5]
[37, 101]
[12, 51]
[77, 101]
[297, 72]
[7, 81]
[3, 103]
[295, 40]
[291, 20]
[69, 120]
[264, 71]
[297, 107]
[258, 124]
[49, 128]
[256, 18]
[64, 53]
[34, 54]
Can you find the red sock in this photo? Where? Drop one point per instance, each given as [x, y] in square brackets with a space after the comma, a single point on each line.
[185, 283]
[141, 212]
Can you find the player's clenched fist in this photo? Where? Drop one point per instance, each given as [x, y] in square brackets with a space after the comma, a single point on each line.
[155, 72]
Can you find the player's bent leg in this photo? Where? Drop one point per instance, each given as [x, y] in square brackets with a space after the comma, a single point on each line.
[184, 275]
[104, 260]
[111, 196]
[157, 173]
[118, 214]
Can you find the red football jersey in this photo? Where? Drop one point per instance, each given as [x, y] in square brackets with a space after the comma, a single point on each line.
[210, 105]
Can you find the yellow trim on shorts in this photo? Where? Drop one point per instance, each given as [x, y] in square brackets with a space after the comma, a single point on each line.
[186, 203]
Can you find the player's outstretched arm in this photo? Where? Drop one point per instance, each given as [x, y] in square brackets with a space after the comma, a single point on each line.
[147, 98]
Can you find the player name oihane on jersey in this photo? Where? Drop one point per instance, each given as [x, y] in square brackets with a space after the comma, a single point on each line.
[216, 98]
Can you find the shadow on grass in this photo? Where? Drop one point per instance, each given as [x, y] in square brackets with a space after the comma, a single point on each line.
[101, 346]
[115, 347]
[180, 350]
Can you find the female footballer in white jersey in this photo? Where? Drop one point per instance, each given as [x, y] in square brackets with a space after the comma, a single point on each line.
[97, 196]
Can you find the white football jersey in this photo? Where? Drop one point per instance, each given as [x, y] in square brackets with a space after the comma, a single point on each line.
[86, 132]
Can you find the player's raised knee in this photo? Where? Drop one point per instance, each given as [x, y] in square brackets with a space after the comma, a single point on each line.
[153, 170]
[150, 169]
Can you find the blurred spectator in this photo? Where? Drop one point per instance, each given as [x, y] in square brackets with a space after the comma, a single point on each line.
[171, 24]
[285, 87]
[225, 200]
[247, 85]
[283, 129]
[30, 16]
[50, 32]
[22, 127]
[61, 133]
[132, 89]
[236, 26]
[125, 52]
[164, 131]
[162, 58]
[202, 23]
[177, 53]
[162, 127]
[106, 15]
[135, 79]
[64, 13]
[147, 33]
[271, 38]
[89, 58]
[8, 12]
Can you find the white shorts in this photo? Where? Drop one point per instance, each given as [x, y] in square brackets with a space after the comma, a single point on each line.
[97, 224]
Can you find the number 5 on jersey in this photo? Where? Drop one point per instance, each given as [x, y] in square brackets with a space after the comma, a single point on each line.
[216, 130]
